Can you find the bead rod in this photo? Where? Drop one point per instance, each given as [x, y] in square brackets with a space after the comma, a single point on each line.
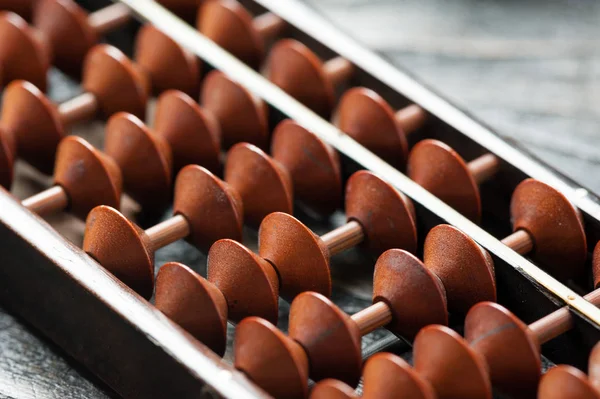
[370, 319]
[51, 200]
[109, 18]
[344, 237]
[167, 232]
[338, 70]
[78, 109]
[484, 167]
[268, 25]
[520, 241]
[411, 118]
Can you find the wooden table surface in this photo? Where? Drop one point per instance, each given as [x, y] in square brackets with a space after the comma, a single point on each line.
[531, 70]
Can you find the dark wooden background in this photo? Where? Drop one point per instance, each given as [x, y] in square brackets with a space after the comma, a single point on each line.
[530, 69]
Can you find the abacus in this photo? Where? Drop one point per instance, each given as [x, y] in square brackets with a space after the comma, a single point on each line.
[304, 170]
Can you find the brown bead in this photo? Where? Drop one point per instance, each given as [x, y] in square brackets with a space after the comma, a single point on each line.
[193, 303]
[213, 209]
[31, 125]
[386, 215]
[511, 351]
[313, 165]
[116, 82]
[555, 225]
[24, 8]
[120, 247]
[227, 23]
[168, 65]
[281, 369]
[465, 269]
[594, 366]
[596, 265]
[366, 117]
[242, 116]
[69, 33]
[299, 72]
[264, 184]
[193, 134]
[144, 157]
[566, 382]
[414, 295]
[329, 336]
[89, 177]
[300, 257]
[332, 389]
[441, 171]
[387, 376]
[248, 282]
[185, 9]
[455, 371]
[24, 52]
[6, 162]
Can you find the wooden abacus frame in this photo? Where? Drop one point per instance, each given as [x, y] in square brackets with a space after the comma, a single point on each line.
[138, 351]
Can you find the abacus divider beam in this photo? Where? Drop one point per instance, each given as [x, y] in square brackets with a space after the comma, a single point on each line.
[411, 118]
[370, 319]
[338, 70]
[268, 25]
[344, 237]
[168, 231]
[78, 109]
[51, 200]
[484, 167]
[109, 18]
[559, 321]
[520, 241]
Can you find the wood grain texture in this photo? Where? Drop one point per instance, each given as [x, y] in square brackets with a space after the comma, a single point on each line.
[531, 70]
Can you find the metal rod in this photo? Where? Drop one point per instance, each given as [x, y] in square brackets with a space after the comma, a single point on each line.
[370, 319]
[51, 200]
[338, 70]
[344, 237]
[268, 25]
[169, 231]
[520, 241]
[484, 167]
[78, 109]
[109, 18]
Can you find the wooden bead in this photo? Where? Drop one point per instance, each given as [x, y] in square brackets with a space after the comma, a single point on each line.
[115, 81]
[594, 366]
[366, 117]
[566, 382]
[193, 303]
[283, 369]
[414, 295]
[248, 282]
[121, 247]
[301, 74]
[555, 226]
[213, 209]
[6, 162]
[596, 265]
[329, 336]
[313, 165]
[511, 351]
[24, 51]
[242, 116]
[441, 171]
[386, 215]
[387, 376]
[31, 125]
[228, 23]
[24, 8]
[144, 157]
[89, 177]
[332, 389]
[300, 257]
[192, 133]
[446, 361]
[168, 65]
[465, 269]
[264, 185]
